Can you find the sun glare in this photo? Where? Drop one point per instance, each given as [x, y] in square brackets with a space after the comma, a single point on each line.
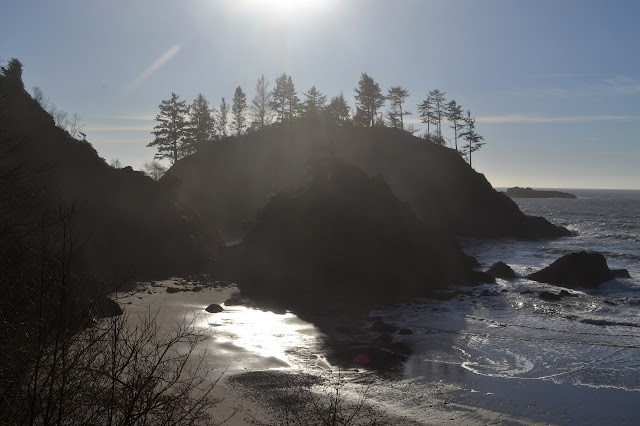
[285, 9]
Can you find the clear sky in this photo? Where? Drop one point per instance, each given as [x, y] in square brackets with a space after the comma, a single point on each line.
[555, 85]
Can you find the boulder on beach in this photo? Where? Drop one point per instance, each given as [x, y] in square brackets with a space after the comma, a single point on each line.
[105, 307]
[579, 269]
[501, 270]
[214, 308]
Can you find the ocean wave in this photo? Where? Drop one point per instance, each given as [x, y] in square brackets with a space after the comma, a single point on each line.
[606, 322]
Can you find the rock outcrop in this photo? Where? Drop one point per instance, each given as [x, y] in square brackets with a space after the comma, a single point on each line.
[343, 236]
[517, 192]
[123, 220]
[580, 269]
[227, 181]
[501, 270]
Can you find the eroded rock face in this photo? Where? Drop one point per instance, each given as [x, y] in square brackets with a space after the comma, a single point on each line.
[580, 269]
[344, 235]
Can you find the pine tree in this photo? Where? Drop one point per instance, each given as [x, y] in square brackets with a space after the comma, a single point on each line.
[170, 130]
[339, 109]
[239, 121]
[455, 116]
[426, 113]
[369, 99]
[438, 102]
[284, 102]
[474, 140]
[314, 101]
[260, 104]
[292, 100]
[396, 97]
[12, 75]
[201, 126]
[223, 118]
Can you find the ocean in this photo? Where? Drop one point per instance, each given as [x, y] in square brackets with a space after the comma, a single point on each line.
[573, 360]
[498, 355]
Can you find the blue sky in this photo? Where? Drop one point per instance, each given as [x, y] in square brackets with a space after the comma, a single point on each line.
[555, 85]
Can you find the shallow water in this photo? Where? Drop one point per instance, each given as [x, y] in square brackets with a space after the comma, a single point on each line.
[574, 360]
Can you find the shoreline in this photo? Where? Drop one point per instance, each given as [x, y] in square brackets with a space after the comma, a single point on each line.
[244, 358]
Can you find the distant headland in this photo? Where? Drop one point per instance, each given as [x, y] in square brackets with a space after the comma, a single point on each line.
[517, 192]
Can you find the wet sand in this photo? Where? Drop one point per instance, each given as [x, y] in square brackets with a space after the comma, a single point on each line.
[249, 347]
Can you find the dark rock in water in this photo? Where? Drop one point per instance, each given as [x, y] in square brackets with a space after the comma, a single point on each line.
[501, 270]
[517, 192]
[480, 277]
[580, 269]
[526, 292]
[214, 308]
[173, 290]
[105, 307]
[376, 319]
[621, 273]
[383, 327]
[384, 338]
[547, 295]
[565, 293]
[405, 331]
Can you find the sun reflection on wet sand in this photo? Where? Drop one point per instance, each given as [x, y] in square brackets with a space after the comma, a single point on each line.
[284, 337]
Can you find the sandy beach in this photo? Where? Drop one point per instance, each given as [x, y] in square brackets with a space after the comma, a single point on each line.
[258, 354]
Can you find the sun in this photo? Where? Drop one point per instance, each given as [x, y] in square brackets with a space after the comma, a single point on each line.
[286, 9]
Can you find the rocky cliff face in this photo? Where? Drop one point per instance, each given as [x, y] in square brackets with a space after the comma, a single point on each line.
[123, 221]
[343, 235]
[228, 181]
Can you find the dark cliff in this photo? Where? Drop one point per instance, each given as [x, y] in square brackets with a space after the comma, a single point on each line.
[228, 181]
[343, 235]
[123, 220]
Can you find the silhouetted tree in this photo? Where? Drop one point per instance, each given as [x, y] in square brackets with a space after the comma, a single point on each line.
[455, 115]
[60, 117]
[395, 114]
[285, 100]
[201, 126]
[425, 108]
[12, 74]
[260, 104]
[171, 129]
[474, 140]
[75, 126]
[223, 117]
[339, 109]
[314, 101]
[439, 109]
[39, 97]
[369, 99]
[154, 170]
[239, 122]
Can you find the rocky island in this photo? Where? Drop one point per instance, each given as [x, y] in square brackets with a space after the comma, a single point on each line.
[517, 192]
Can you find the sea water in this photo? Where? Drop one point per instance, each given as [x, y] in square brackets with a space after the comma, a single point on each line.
[572, 360]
